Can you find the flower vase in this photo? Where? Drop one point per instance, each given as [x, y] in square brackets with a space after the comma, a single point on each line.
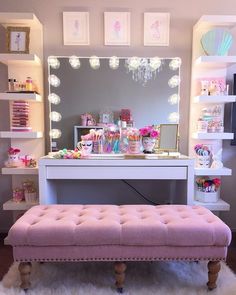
[13, 161]
[134, 147]
[148, 144]
[203, 161]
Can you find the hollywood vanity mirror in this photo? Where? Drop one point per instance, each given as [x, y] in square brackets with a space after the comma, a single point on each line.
[149, 87]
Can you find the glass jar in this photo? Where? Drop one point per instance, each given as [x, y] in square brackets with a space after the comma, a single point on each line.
[29, 84]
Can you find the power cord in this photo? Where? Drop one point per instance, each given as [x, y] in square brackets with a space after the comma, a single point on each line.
[140, 194]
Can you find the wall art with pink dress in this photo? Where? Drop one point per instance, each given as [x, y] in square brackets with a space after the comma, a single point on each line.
[156, 29]
[117, 28]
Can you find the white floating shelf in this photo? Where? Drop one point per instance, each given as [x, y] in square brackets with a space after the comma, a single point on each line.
[210, 172]
[217, 206]
[23, 171]
[207, 21]
[19, 134]
[214, 98]
[31, 97]
[215, 61]
[15, 206]
[216, 136]
[6, 241]
[19, 19]
[19, 59]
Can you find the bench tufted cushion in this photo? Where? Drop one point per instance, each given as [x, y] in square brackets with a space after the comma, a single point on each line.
[138, 225]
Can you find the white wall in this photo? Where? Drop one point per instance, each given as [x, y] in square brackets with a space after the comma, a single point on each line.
[184, 14]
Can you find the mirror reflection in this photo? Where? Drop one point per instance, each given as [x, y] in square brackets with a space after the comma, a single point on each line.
[89, 91]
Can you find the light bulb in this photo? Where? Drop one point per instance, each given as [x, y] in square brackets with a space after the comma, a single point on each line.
[114, 62]
[133, 63]
[55, 116]
[175, 63]
[155, 63]
[53, 62]
[174, 81]
[94, 62]
[173, 117]
[54, 98]
[174, 99]
[54, 80]
[55, 133]
[74, 62]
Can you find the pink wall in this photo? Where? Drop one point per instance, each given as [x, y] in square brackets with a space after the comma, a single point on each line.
[184, 14]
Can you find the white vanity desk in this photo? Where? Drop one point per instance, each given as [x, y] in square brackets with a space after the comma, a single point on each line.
[180, 168]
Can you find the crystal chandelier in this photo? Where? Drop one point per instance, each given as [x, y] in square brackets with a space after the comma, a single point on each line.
[143, 69]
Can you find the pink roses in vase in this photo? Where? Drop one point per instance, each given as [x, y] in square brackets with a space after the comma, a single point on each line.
[149, 136]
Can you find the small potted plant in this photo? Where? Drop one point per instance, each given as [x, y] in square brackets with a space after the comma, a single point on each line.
[149, 136]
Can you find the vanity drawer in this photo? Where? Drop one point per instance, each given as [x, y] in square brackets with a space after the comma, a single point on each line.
[118, 172]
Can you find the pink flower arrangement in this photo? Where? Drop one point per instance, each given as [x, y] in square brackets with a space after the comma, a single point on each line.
[13, 151]
[149, 131]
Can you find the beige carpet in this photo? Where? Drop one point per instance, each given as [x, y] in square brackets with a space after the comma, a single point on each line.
[178, 278]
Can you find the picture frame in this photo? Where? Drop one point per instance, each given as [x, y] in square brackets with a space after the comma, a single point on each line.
[156, 29]
[76, 28]
[168, 140]
[117, 28]
[18, 39]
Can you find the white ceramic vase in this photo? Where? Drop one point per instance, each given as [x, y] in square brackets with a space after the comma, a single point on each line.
[148, 144]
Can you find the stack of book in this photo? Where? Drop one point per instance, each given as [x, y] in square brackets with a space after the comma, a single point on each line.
[20, 116]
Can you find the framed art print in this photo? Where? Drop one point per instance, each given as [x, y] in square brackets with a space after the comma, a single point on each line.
[76, 28]
[156, 29]
[18, 39]
[117, 28]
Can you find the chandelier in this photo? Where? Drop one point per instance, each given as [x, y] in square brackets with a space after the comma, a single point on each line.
[143, 69]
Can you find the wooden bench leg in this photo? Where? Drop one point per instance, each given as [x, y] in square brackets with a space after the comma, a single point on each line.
[213, 270]
[120, 268]
[25, 271]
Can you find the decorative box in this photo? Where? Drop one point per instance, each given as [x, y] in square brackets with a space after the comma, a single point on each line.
[207, 197]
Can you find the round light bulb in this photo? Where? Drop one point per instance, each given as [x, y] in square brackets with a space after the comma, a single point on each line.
[94, 62]
[173, 117]
[54, 80]
[174, 99]
[74, 62]
[53, 62]
[133, 63]
[175, 63]
[55, 116]
[155, 63]
[114, 62]
[54, 98]
[55, 133]
[174, 81]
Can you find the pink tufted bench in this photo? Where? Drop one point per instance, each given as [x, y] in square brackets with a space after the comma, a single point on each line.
[119, 233]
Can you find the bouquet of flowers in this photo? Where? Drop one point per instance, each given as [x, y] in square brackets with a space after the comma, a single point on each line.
[13, 151]
[133, 134]
[149, 131]
[207, 185]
